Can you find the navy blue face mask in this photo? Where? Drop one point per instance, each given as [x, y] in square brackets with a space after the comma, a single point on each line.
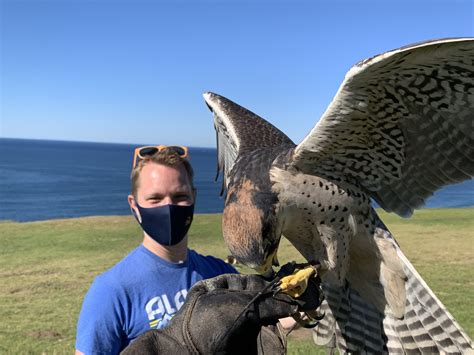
[167, 224]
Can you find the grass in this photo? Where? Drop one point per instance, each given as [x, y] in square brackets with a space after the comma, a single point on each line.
[46, 268]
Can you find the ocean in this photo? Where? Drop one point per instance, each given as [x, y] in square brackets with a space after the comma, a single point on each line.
[42, 180]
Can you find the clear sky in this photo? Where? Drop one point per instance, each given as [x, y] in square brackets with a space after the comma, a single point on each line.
[134, 71]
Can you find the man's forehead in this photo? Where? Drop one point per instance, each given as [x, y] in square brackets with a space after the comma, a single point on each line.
[163, 174]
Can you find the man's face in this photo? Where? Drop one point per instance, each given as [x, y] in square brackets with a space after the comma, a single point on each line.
[160, 185]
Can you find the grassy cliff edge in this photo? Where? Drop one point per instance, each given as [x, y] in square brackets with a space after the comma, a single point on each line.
[47, 266]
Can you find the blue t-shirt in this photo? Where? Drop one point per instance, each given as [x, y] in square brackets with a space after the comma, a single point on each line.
[139, 293]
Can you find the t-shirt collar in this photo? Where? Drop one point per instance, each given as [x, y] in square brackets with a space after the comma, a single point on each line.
[162, 261]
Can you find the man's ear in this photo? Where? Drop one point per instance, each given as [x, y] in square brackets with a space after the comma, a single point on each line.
[134, 208]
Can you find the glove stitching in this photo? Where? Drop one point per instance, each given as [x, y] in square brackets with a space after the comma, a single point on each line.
[187, 318]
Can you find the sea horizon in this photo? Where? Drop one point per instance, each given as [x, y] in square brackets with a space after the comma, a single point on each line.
[53, 179]
[94, 142]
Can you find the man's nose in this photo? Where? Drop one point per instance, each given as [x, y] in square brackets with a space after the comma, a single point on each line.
[167, 200]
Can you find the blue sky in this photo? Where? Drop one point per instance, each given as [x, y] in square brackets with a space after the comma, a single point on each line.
[135, 71]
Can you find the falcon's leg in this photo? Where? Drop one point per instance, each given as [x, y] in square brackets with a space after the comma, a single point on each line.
[336, 241]
[331, 252]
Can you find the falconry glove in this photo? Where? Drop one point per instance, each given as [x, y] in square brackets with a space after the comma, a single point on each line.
[225, 315]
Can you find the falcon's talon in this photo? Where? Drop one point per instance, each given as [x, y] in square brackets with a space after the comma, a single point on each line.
[295, 285]
[315, 315]
[308, 322]
[278, 289]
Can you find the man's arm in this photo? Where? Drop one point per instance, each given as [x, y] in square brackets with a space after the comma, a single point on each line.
[99, 329]
[287, 322]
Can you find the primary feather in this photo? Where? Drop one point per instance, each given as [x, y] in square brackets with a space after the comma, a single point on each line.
[401, 124]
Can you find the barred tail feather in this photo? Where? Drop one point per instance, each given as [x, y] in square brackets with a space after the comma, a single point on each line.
[430, 323]
[356, 326]
[350, 323]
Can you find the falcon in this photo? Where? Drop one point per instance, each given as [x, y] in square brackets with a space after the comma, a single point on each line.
[400, 127]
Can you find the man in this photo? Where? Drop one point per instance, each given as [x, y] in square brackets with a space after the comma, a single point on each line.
[146, 288]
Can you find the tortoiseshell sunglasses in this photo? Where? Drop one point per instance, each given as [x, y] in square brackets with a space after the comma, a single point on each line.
[148, 151]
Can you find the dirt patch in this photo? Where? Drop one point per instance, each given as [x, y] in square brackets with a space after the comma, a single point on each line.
[15, 290]
[48, 334]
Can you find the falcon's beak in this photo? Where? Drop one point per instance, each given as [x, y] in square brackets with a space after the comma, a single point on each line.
[269, 261]
[269, 274]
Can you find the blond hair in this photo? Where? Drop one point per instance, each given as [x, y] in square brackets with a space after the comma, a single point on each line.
[164, 157]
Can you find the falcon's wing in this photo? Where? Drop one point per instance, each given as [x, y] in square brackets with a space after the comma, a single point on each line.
[401, 124]
[238, 130]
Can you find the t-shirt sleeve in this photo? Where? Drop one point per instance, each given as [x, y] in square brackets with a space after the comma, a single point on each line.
[221, 267]
[100, 325]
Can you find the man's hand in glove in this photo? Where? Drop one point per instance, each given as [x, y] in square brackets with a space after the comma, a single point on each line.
[226, 315]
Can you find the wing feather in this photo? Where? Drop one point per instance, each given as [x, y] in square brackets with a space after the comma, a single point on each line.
[239, 130]
[401, 124]
[353, 325]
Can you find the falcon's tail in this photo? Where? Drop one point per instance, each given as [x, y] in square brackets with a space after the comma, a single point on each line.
[353, 325]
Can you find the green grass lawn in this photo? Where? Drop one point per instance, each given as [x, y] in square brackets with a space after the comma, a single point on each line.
[46, 268]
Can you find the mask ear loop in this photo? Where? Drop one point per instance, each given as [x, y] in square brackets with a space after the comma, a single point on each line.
[135, 214]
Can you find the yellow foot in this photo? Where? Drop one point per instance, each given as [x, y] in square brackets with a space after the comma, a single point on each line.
[295, 284]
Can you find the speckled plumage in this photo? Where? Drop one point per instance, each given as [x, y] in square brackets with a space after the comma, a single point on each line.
[400, 127]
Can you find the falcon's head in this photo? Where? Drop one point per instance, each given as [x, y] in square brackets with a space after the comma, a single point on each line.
[246, 147]
[250, 226]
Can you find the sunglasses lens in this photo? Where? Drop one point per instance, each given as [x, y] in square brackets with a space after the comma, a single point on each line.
[178, 150]
[148, 151]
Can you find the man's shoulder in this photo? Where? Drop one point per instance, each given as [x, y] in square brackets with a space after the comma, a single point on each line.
[211, 263]
[106, 309]
[126, 270]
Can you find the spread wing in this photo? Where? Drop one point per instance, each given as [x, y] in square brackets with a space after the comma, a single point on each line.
[239, 130]
[401, 124]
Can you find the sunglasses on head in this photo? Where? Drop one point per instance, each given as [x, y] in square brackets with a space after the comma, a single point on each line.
[147, 151]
